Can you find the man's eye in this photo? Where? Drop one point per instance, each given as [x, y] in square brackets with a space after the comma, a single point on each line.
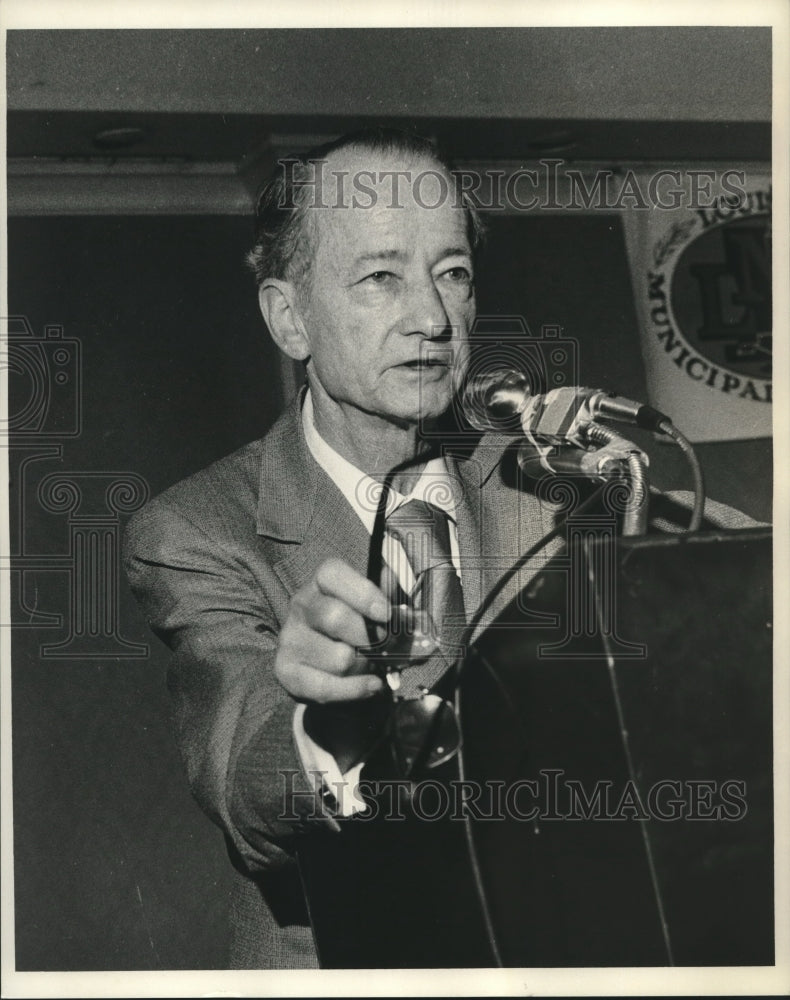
[458, 274]
[379, 277]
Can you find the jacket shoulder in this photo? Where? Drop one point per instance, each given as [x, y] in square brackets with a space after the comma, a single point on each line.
[220, 494]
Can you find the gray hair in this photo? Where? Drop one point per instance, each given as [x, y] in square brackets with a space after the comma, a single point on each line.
[283, 245]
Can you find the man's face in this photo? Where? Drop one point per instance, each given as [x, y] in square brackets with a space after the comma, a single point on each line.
[389, 300]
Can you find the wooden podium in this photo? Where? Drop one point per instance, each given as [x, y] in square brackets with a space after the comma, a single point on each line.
[617, 719]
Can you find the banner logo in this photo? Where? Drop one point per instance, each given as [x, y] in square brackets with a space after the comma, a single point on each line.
[709, 294]
[721, 294]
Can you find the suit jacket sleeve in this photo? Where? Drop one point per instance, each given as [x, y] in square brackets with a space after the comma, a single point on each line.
[670, 512]
[233, 720]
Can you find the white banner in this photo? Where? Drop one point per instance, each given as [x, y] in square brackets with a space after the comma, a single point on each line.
[700, 257]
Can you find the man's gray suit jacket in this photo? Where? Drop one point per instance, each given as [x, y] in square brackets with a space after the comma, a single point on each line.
[214, 562]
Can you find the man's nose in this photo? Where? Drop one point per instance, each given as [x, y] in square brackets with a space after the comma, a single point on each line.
[427, 314]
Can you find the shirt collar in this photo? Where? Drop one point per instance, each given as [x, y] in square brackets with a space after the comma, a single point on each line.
[361, 490]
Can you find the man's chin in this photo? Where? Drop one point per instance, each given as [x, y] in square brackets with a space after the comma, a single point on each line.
[431, 406]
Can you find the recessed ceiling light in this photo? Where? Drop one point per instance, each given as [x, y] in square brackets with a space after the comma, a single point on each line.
[558, 141]
[118, 138]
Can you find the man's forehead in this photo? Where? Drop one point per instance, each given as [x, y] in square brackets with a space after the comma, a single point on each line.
[379, 199]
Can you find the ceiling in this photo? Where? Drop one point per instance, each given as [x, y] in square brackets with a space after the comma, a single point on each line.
[637, 73]
[510, 93]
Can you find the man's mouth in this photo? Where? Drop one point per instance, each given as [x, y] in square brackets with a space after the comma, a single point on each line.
[418, 364]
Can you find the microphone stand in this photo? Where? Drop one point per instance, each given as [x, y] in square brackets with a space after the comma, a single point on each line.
[634, 466]
[603, 455]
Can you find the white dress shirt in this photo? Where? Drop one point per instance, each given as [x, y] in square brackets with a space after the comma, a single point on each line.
[363, 492]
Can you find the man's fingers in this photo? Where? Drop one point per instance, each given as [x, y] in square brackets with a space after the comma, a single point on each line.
[314, 685]
[317, 658]
[299, 649]
[335, 578]
[332, 617]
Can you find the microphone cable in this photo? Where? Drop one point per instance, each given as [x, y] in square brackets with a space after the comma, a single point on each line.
[668, 428]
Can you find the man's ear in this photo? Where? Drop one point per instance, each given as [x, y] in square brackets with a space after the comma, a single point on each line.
[277, 301]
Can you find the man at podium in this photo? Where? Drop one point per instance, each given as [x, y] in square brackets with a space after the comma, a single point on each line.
[256, 571]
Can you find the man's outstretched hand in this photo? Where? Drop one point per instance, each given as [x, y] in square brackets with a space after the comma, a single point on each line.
[318, 659]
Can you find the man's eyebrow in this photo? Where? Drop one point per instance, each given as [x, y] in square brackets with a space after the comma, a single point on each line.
[373, 255]
[455, 252]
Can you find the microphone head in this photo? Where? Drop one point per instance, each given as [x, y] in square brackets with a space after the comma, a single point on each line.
[559, 416]
[493, 400]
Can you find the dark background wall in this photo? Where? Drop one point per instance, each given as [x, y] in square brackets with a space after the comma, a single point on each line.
[115, 866]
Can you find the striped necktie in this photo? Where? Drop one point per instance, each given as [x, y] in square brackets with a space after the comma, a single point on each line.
[423, 531]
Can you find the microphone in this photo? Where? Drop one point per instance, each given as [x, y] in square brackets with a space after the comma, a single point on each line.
[502, 401]
[561, 435]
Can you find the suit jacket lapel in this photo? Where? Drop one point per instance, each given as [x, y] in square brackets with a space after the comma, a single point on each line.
[497, 523]
[301, 511]
[471, 529]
